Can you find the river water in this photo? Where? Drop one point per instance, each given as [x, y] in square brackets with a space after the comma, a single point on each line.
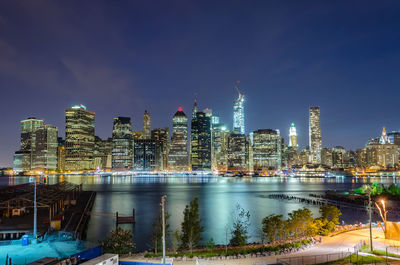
[218, 197]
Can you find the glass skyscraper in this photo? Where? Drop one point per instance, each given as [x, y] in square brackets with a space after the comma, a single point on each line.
[146, 125]
[79, 138]
[238, 114]
[122, 143]
[178, 153]
[315, 135]
[201, 142]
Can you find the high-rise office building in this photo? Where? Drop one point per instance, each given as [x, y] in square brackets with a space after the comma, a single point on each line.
[103, 153]
[326, 157]
[146, 125]
[201, 142]
[178, 152]
[238, 113]
[161, 139]
[38, 147]
[24, 158]
[79, 138]
[267, 152]
[144, 152]
[122, 143]
[45, 154]
[219, 154]
[382, 155]
[60, 154]
[293, 136]
[239, 153]
[315, 139]
[338, 155]
[195, 109]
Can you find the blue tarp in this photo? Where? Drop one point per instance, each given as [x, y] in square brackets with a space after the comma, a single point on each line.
[88, 254]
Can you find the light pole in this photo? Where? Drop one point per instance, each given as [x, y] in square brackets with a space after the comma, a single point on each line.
[163, 226]
[34, 216]
[370, 217]
[383, 215]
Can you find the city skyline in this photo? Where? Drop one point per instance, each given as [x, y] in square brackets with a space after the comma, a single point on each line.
[138, 57]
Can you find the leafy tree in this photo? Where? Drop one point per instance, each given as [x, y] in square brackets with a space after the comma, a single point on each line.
[175, 240]
[273, 226]
[156, 236]
[330, 213]
[240, 226]
[299, 222]
[191, 226]
[210, 245]
[118, 241]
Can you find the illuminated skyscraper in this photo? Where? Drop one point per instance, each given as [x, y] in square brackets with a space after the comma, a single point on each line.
[219, 155]
[178, 153]
[201, 142]
[122, 143]
[292, 136]
[315, 135]
[103, 153]
[146, 125]
[240, 156]
[267, 149]
[45, 154]
[38, 146]
[238, 112]
[24, 158]
[161, 138]
[79, 138]
[195, 109]
[144, 155]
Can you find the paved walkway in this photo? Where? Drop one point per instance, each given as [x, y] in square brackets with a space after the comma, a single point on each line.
[340, 243]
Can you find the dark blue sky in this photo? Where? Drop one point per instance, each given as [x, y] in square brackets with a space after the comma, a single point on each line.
[121, 57]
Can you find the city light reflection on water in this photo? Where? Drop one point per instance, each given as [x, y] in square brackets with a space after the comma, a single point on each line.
[217, 197]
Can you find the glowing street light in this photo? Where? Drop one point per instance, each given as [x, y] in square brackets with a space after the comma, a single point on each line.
[383, 214]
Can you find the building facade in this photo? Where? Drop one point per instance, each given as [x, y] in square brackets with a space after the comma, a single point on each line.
[161, 138]
[239, 153]
[238, 114]
[293, 136]
[201, 142]
[178, 157]
[315, 139]
[79, 138]
[219, 155]
[144, 155]
[38, 147]
[122, 143]
[146, 125]
[267, 152]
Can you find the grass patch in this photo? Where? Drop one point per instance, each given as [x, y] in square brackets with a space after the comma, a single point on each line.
[378, 252]
[232, 251]
[358, 260]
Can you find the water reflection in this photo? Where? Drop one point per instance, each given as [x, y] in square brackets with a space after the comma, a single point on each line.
[217, 197]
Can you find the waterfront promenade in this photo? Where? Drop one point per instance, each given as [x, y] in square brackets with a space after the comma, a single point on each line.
[340, 243]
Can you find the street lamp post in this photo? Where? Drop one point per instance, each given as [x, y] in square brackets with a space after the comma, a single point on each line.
[163, 225]
[34, 216]
[370, 217]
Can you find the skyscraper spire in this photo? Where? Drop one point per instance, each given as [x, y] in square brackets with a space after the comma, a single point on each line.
[292, 136]
[195, 109]
[238, 112]
[384, 138]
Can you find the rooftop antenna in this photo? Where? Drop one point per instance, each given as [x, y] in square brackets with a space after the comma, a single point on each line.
[237, 83]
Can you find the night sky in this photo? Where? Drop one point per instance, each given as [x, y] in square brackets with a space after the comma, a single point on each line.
[121, 57]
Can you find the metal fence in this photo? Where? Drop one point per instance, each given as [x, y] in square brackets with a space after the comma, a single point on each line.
[319, 259]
